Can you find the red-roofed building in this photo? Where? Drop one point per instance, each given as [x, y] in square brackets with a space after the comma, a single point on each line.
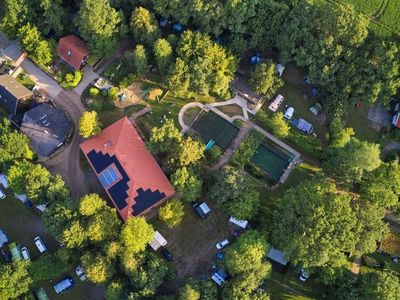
[73, 51]
[127, 170]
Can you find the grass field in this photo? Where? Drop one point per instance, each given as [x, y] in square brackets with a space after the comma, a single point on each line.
[384, 14]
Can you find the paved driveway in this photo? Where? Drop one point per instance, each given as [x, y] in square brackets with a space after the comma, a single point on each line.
[89, 76]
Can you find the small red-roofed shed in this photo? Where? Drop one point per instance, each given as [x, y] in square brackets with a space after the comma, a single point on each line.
[73, 51]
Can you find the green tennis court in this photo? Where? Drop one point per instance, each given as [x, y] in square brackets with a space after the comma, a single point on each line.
[211, 126]
[272, 160]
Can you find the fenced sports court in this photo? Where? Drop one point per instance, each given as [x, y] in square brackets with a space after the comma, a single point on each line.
[272, 159]
[211, 126]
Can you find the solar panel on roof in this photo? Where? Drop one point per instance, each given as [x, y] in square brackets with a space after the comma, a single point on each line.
[108, 177]
[146, 199]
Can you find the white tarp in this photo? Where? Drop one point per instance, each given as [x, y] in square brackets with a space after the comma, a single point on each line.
[158, 241]
[240, 223]
[277, 256]
[4, 181]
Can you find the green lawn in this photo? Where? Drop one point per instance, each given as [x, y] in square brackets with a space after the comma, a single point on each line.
[25, 80]
[192, 243]
[357, 118]
[379, 259]
[22, 226]
[293, 94]
[288, 286]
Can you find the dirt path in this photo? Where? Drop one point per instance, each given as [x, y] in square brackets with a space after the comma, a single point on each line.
[66, 162]
[356, 268]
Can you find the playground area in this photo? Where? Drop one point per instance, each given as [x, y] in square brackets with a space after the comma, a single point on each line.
[210, 126]
[272, 159]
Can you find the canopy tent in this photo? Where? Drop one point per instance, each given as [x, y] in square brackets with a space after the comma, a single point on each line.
[302, 125]
[158, 241]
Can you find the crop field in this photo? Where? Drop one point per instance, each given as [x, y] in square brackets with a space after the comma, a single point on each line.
[384, 14]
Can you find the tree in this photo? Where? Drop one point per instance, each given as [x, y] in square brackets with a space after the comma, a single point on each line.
[39, 49]
[188, 292]
[47, 267]
[57, 190]
[370, 226]
[189, 152]
[149, 275]
[245, 206]
[172, 213]
[279, 126]
[17, 13]
[164, 138]
[187, 185]
[202, 67]
[89, 124]
[74, 235]
[14, 280]
[98, 268]
[349, 162]
[116, 291]
[99, 25]
[27, 178]
[233, 191]
[13, 145]
[314, 224]
[163, 54]
[380, 285]
[380, 187]
[178, 79]
[245, 262]
[144, 26]
[244, 153]
[136, 233]
[58, 215]
[140, 62]
[265, 80]
[53, 13]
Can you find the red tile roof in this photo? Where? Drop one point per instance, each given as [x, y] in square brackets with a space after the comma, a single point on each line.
[72, 50]
[123, 141]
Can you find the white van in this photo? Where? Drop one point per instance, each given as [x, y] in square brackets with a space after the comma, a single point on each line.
[64, 285]
[276, 103]
[40, 245]
[2, 194]
[240, 223]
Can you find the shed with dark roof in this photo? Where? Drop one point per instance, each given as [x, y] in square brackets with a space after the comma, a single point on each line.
[13, 95]
[73, 51]
[47, 128]
[127, 170]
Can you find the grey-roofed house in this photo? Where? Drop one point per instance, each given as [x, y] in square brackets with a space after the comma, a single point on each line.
[13, 95]
[47, 128]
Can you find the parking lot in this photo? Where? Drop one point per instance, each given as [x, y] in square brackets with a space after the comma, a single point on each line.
[22, 225]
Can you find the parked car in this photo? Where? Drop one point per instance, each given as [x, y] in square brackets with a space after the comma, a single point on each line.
[289, 113]
[276, 103]
[236, 233]
[3, 238]
[2, 194]
[41, 294]
[40, 245]
[79, 272]
[168, 256]
[316, 108]
[64, 285]
[25, 253]
[219, 277]
[303, 275]
[201, 209]
[5, 254]
[222, 244]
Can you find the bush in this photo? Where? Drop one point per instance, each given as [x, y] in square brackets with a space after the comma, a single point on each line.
[113, 94]
[306, 143]
[71, 80]
[94, 92]
[172, 213]
[213, 155]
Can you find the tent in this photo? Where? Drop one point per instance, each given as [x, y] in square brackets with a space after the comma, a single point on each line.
[163, 22]
[177, 27]
[302, 125]
[158, 241]
[4, 181]
[255, 59]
